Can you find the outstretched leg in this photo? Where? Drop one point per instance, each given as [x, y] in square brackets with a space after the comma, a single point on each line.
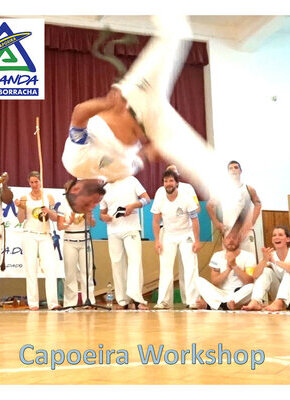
[158, 65]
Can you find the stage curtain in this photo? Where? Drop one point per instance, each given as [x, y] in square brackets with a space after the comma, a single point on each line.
[73, 75]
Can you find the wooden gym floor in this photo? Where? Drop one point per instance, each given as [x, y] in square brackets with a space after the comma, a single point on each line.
[177, 330]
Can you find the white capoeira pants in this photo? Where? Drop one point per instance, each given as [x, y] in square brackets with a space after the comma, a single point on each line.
[147, 87]
[180, 277]
[268, 282]
[214, 296]
[125, 251]
[41, 245]
[181, 281]
[170, 246]
[74, 254]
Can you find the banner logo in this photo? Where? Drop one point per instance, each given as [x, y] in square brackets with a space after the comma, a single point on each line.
[22, 59]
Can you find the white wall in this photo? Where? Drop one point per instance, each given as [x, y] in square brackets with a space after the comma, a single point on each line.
[247, 125]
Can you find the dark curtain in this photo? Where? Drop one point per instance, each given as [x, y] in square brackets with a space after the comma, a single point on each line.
[73, 75]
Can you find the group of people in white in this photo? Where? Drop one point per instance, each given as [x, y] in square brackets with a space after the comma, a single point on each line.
[238, 281]
[105, 138]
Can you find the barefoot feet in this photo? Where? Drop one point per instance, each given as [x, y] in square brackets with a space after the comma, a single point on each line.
[277, 305]
[254, 305]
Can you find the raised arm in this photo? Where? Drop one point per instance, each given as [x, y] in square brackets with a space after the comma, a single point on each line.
[267, 252]
[50, 211]
[86, 110]
[21, 205]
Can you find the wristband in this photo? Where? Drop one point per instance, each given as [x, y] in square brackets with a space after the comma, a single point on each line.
[192, 214]
[144, 201]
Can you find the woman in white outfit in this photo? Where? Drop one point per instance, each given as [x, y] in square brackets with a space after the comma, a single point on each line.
[35, 210]
[272, 275]
[74, 253]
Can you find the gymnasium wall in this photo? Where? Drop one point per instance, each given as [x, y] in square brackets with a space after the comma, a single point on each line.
[248, 96]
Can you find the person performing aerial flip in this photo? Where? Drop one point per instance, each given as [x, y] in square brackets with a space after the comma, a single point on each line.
[107, 133]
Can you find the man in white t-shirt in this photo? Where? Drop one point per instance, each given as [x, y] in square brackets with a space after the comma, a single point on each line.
[188, 188]
[180, 231]
[232, 283]
[119, 209]
[181, 186]
[240, 207]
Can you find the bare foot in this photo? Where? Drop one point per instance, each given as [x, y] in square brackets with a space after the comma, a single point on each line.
[142, 307]
[231, 305]
[139, 306]
[201, 304]
[277, 305]
[254, 305]
[33, 308]
[119, 307]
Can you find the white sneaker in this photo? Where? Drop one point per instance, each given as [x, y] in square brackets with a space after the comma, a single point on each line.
[192, 306]
[162, 306]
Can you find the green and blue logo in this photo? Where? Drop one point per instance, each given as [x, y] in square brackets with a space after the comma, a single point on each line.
[5, 48]
[22, 59]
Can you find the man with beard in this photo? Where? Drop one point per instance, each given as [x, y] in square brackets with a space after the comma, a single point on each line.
[180, 231]
[231, 285]
[182, 187]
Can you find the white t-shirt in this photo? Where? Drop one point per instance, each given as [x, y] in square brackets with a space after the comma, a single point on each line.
[77, 226]
[33, 209]
[182, 186]
[102, 154]
[243, 260]
[120, 194]
[278, 270]
[176, 220]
